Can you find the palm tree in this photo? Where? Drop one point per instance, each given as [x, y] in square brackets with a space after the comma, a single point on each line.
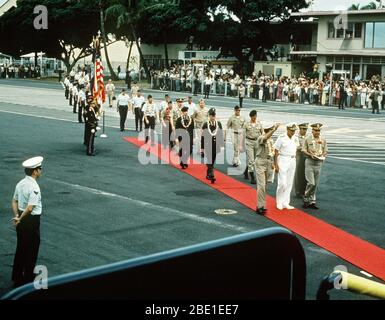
[104, 35]
[354, 7]
[370, 6]
[126, 13]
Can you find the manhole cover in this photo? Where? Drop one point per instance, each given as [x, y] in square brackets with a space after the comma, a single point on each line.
[225, 212]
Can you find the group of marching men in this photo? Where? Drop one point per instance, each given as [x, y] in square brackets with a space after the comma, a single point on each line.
[182, 124]
[296, 156]
[77, 91]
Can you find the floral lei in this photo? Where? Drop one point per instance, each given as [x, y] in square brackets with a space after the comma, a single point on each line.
[190, 120]
[212, 133]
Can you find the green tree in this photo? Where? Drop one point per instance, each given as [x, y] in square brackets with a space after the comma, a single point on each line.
[121, 20]
[102, 7]
[242, 28]
[173, 21]
[370, 6]
[354, 7]
[71, 26]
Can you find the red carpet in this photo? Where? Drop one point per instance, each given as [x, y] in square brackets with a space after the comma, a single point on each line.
[356, 251]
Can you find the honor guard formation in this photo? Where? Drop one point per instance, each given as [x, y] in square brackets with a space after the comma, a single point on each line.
[296, 157]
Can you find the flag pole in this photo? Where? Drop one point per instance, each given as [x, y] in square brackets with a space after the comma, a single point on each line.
[103, 135]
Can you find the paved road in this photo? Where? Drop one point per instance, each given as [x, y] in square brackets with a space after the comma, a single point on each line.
[109, 208]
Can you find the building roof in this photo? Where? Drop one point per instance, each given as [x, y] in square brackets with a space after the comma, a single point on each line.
[5, 5]
[335, 13]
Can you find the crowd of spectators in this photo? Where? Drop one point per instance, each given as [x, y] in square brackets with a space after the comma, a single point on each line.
[19, 71]
[223, 80]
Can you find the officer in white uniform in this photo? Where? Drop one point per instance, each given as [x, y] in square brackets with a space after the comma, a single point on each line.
[151, 117]
[81, 103]
[27, 208]
[285, 163]
[75, 93]
[123, 100]
[137, 101]
[66, 87]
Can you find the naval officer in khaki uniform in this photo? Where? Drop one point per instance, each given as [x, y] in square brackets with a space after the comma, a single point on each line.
[235, 123]
[252, 130]
[200, 116]
[264, 164]
[299, 179]
[316, 150]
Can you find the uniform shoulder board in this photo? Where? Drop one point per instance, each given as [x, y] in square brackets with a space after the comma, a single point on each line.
[36, 192]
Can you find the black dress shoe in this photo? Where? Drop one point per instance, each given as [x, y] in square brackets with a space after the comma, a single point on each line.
[306, 205]
[260, 211]
[313, 206]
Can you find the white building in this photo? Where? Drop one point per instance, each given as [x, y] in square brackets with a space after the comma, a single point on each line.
[5, 5]
[353, 41]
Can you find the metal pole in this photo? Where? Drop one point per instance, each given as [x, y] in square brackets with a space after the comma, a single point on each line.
[331, 89]
[103, 135]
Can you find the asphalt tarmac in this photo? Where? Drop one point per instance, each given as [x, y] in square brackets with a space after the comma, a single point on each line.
[108, 208]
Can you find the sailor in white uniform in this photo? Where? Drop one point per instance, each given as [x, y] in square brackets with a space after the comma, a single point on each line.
[27, 209]
[285, 163]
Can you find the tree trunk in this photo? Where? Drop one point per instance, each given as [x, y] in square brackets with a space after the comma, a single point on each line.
[112, 72]
[141, 54]
[129, 56]
[166, 55]
[68, 64]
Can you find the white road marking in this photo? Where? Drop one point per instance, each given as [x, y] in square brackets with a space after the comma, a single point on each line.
[356, 160]
[48, 118]
[154, 207]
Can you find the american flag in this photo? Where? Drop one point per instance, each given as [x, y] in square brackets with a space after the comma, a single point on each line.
[98, 87]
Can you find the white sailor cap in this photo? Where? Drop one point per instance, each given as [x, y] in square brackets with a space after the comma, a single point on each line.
[33, 163]
[267, 125]
[292, 126]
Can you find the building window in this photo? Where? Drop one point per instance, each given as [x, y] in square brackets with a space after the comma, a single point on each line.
[375, 35]
[379, 35]
[349, 31]
[356, 69]
[357, 30]
[332, 31]
[353, 31]
[369, 31]
[347, 67]
[340, 33]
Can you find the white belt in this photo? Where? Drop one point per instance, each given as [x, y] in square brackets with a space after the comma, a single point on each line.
[287, 156]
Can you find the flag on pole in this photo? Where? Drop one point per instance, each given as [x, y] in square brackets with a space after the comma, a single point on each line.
[98, 87]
